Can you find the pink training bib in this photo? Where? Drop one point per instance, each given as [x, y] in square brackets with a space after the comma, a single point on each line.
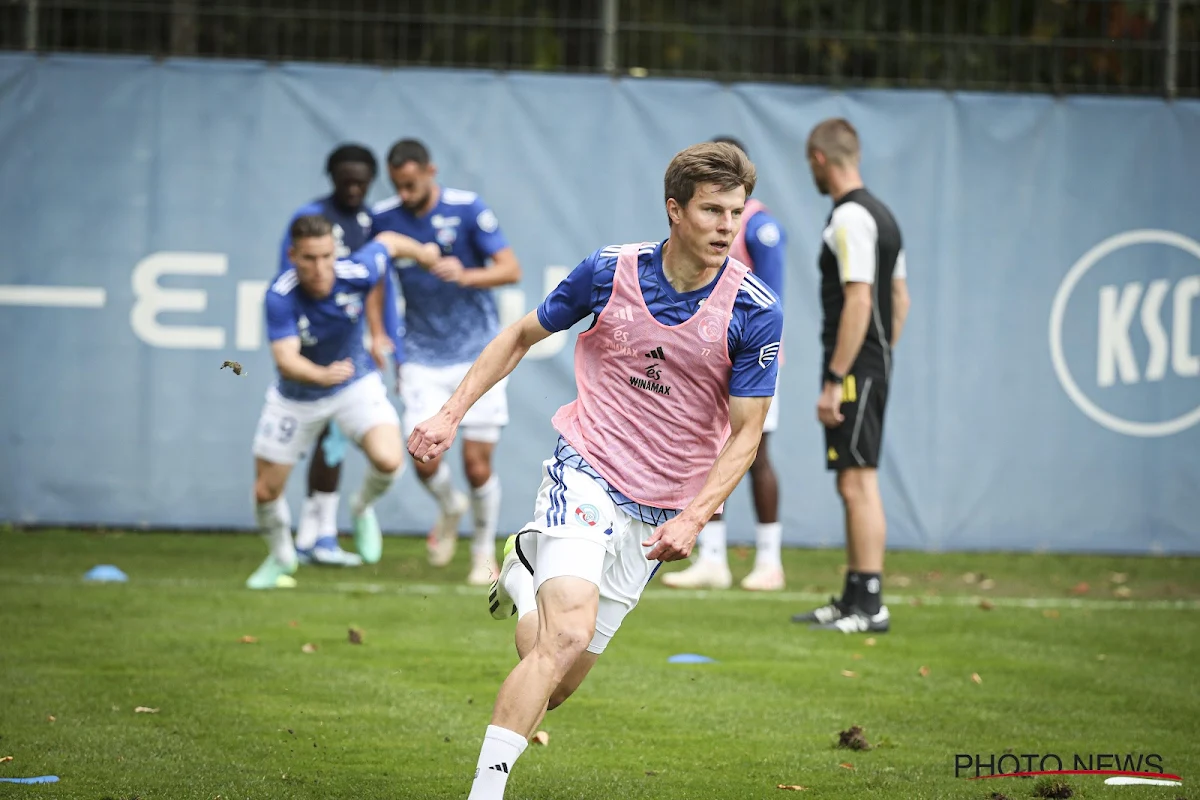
[738, 249]
[653, 407]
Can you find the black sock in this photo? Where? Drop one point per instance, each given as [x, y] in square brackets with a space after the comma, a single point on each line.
[850, 589]
[870, 592]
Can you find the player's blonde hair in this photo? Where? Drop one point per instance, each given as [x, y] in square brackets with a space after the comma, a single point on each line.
[836, 139]
[709, 162]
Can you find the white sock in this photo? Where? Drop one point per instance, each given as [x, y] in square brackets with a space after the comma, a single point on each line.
[308, 529]
[500, 751]
[327, 508]
[767, 555]
[712, 542]
[485, 508]
[375, 483]
[275, 523]
[441, 486]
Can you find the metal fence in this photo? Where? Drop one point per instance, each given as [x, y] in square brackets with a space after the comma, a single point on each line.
[1148, 47]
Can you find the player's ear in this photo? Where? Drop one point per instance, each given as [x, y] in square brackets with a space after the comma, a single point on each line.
[674, 210]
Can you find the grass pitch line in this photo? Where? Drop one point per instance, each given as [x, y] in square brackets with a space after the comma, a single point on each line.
[657, 594]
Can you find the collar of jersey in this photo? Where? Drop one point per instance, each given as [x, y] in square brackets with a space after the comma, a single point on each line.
[704, 291]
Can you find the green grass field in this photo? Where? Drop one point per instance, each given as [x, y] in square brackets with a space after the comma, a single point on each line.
[1061, 670]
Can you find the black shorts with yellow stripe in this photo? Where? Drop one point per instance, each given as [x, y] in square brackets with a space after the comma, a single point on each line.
[858, 440]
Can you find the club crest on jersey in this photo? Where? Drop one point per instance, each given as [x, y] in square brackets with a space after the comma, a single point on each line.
[709, 328]
[350, 303]
[447, 230]
[587, 515]
[304, 328]
[339, 238]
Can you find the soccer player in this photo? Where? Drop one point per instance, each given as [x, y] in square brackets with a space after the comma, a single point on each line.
[351, 169]
[864, 298]
[450, 316]
[675, 375]
[760, 245]
[314, 323]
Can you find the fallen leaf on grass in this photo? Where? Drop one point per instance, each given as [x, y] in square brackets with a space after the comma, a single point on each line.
[308, 648]
[145, 710]
[1123, 592]
[846, 765]
[1118, 577]
[651, 772]
[970, 577]
[791, 787]
[987, 584]
[1081, 588]
[248, 640]
[848, 674]
[857, 656]
[293, 624]
[923, 672]
[356, 636]
[986, 605]
[870, 642]
[6, 758]
[1050, 613]
[542, 738]
[975, 677]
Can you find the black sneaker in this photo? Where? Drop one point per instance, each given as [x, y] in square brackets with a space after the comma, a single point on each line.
[858, 621]
[831, 612]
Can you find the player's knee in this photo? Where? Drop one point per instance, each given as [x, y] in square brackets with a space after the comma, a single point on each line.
[388, 463]
[565, 644]
[266, 490]
[853, 485]
[479, 471]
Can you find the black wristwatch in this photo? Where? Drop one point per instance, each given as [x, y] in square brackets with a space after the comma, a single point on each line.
[833, 377]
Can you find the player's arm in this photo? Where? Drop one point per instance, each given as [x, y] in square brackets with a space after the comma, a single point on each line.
[766, 245]
[503, 270]
[295, 367]
[400, 246]
[900, 298]
[854, 244]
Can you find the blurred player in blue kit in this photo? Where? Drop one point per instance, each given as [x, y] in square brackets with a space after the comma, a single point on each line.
[450, 315]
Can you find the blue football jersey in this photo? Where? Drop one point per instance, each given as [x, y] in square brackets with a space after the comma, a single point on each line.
[755, 330]
[767, 243]
[445, 323]
[331, 328]
[351, 229]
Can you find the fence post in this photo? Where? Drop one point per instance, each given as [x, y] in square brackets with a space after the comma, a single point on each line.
[1172, 65]
[609, 45]
[31, 24]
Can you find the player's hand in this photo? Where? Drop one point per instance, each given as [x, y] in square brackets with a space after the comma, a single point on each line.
[672, 541]
[430, 254]
[338, 372]
[381, 348]
[449, 269]
[829, 406]
[432, 437]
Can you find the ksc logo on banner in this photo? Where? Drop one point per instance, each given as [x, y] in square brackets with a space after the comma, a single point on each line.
[1145, 360]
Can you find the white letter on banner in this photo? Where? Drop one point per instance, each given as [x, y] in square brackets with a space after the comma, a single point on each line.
[153, 300]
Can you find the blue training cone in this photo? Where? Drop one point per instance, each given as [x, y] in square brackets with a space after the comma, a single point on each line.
[690, 658]
[41, 779]
[105, 573]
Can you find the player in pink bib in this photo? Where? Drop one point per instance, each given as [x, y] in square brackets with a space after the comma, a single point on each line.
[675, 376]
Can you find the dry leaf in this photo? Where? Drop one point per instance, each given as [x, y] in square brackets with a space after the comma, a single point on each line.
[293, 624]
[309, 647]
[791, 787]
[846, 765]
[542, 738]
[915, 601]
[248, 640]
[651, 772]
[857, 656]
[51, 718]
[1118, 577]
[975, 677]
[1080, 588]
[848, 674]
[900, 581]
[853, 739]
[1050, 613]
[233, 365]
[6, 758]
[970, 577]
[356, 636]
[145, 710]
[986, 605]
[1123, 592]
[870, 642]
[987, 584]
[923, 672]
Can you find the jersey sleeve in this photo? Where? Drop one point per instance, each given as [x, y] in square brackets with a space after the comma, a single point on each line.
[281, 316]
[766, 242]
[485, 230]
[852, 236]
[366, 266]
[571, 300]
[755, 364]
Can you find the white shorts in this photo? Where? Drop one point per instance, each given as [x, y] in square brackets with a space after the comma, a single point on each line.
[578, 531]
[288, 428]
[426, 389]
[772, 420]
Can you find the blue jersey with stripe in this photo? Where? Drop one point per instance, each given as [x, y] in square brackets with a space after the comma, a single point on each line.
[330, 328]
[755, 332]
[766, 243]
[445, 323]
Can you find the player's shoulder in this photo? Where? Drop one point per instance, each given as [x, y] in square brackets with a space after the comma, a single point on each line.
[284, 285]
[764, 228]
[385, 205]
[459, 197]
[855, 215]
[755, 297]
[610, 253]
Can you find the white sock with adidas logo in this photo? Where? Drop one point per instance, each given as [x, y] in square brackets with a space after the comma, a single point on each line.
[501, 749]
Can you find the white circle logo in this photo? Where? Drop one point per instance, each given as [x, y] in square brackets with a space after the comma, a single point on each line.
[1059, 309]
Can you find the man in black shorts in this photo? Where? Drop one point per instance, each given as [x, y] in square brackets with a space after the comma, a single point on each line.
[864, 299]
